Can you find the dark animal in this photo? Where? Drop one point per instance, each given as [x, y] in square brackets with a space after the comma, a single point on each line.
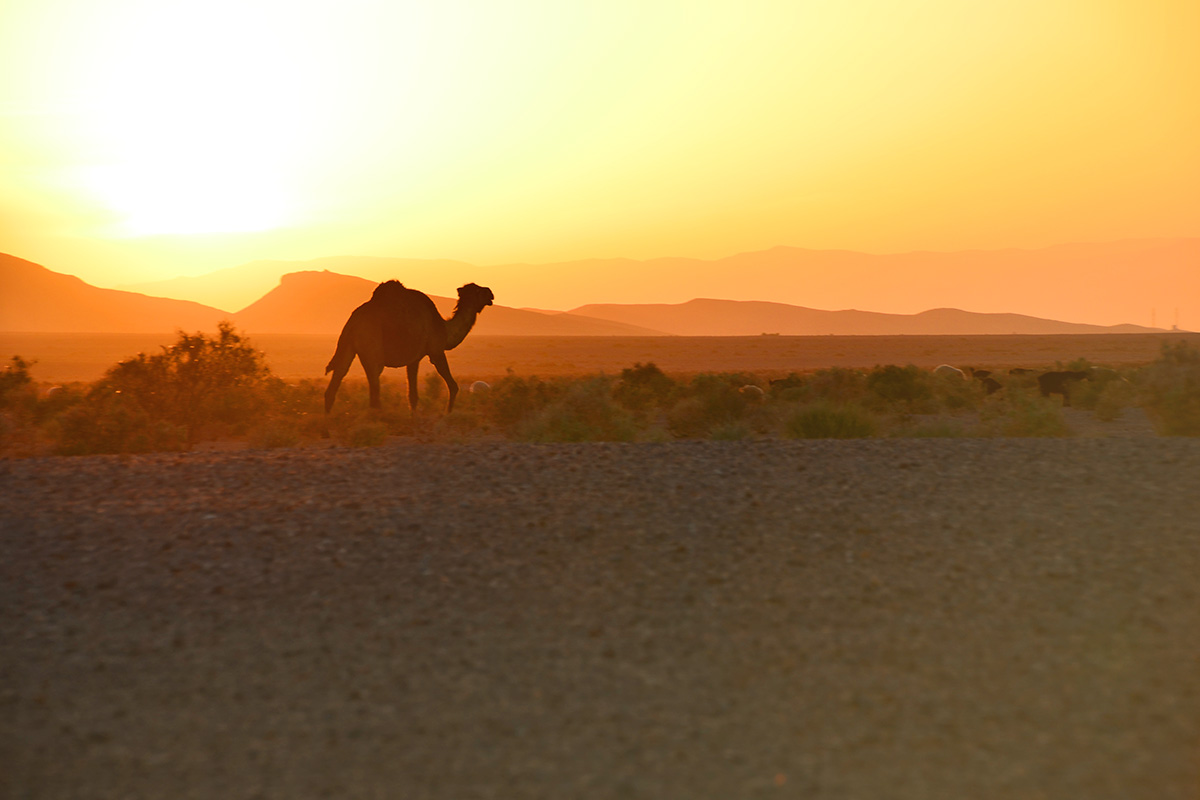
[790, 382]
[991, 385]
[1060, 383]
[398, 327]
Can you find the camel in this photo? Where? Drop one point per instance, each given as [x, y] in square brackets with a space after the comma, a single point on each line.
[398, 327]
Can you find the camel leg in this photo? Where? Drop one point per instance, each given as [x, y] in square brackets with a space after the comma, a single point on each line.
[412, 385]
[443, 368]
[373, 373]
[339, 371]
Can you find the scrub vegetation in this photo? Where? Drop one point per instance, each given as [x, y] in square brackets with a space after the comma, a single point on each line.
[205, 389]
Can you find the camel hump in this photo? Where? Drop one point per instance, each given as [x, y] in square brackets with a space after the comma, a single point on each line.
[389, 290]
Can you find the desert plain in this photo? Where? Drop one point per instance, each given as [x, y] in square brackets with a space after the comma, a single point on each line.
[66, 357]
[909, 618]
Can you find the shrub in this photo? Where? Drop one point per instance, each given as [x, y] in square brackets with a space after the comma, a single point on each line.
[643, 387]
[712, 401]
[458, 423]
[836, 385]
[107, 422]
[198, 382]
[165, 401]
[368, 433]
[584, 413]
[276, 433]
[828, 421]
[1171, 390]
[513, 400]
[1114, 397]
[908, 388]
[1022, 413]
[14, 379]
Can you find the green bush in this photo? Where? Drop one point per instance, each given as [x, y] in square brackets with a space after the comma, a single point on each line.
[14, 380]
[276, 433]
[108, 422]
[711, 402]
[643, 387]
[199, 382]
[953, 394]
[836, 385]
[513, 400]
[367, 433]
[197, 387]
[906, 389]
[829, 421]
[584, 413]
[1171, 390]
[1113, 398]
[1017, 412]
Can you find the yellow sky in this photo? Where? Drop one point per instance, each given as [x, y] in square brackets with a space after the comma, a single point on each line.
[144, 139]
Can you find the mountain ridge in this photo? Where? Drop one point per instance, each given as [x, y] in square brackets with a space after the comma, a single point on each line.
[35, 299]
[715, 317]
[1099, 283]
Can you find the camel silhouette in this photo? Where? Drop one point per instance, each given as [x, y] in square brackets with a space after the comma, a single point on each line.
[398, 327]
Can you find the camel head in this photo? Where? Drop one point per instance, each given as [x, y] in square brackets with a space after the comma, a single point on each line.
[475, 297]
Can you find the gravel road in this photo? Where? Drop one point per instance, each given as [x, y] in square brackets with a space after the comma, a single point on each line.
[868, 619]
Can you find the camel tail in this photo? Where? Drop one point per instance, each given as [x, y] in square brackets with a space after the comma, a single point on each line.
[344, 354]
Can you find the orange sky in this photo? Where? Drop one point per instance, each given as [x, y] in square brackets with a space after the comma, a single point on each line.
[145, 139]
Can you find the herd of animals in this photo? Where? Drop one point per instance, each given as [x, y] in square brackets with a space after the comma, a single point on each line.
[1052, 382]
[398, 327]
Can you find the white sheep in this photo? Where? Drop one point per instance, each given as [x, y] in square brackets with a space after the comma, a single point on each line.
[947, 371]
[752, 392]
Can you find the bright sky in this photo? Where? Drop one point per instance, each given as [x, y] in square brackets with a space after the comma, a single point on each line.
[144, 139]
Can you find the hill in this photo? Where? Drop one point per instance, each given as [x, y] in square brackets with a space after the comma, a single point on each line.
[34, 299]
[1105, 283]
[320, 302]
[749, 318]
[239, 287]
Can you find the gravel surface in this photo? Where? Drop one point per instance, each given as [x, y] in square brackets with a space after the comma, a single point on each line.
[868, 619]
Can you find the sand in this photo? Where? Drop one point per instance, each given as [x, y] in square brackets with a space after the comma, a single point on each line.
[85, 357]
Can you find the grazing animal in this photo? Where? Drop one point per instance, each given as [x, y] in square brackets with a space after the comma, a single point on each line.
[398, 327]
[980, 374]
[1060, 383]
[792, 381]
[991, 385]
[752, 392]
[479, 386]
[947, 371]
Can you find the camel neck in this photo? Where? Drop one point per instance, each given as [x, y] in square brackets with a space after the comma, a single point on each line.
[458, 326]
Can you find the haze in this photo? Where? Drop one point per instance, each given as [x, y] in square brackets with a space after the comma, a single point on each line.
[141, 140]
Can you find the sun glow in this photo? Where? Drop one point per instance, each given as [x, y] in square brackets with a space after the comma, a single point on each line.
[134, 134]
[194, 121]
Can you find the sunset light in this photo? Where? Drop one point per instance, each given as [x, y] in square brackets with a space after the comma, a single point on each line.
[144, 140]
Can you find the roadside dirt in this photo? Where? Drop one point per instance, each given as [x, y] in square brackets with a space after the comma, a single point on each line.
[983, 618]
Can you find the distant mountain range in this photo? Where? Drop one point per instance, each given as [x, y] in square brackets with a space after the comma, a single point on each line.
[35, 299]
[748, 318]
[320, 302]
[1104, 283]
